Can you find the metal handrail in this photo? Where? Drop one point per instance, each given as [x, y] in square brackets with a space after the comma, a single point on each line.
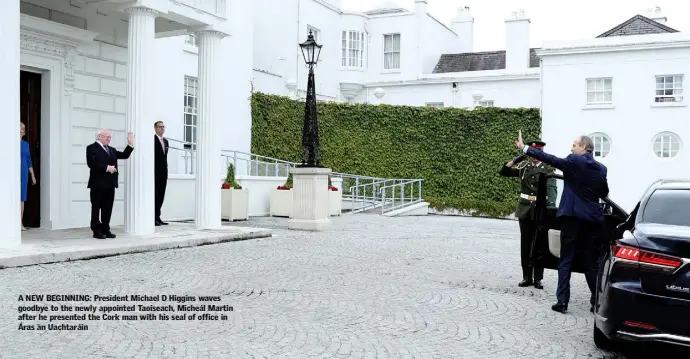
[403, 199]
[369, 191]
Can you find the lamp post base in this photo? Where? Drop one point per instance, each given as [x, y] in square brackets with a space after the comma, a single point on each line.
[310, 199]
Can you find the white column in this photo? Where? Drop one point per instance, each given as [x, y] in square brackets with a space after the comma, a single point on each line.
[208, 174]
[9, 103]
[139, 180]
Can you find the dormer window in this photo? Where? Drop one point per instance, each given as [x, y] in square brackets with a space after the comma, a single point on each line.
[353, 49]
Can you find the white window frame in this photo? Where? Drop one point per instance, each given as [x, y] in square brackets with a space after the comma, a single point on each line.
[669, 145]
[434, 104]
[390, 55]
[599, 91]
[668, 88]
[601, 141]
[191, 109]
[352, 49]
[314, 31]
[486, 103]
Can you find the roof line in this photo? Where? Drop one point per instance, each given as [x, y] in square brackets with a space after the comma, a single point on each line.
[638, 17]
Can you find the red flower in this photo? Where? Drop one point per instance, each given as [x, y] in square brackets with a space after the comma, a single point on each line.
[333, 188]
[283, 188]
[225, 186]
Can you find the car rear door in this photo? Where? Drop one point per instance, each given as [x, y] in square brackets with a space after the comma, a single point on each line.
[548, 242]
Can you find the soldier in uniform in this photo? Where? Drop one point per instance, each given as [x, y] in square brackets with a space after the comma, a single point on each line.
[528, 170]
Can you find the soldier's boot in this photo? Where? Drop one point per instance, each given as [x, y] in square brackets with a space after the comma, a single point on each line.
[526, 277]
[538, 276]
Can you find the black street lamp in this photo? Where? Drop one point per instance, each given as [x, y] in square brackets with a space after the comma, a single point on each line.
[311, 154]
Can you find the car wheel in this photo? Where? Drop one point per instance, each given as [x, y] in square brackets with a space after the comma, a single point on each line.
[600, 340]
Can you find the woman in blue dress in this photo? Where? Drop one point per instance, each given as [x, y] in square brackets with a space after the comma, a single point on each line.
[27, 168]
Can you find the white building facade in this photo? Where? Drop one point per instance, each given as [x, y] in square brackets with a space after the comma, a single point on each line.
[625, 89]
[410, 57]
[71, 67]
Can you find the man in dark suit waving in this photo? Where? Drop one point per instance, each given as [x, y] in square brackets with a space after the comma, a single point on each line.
[103, 175]
[580, 212]
[161, 148]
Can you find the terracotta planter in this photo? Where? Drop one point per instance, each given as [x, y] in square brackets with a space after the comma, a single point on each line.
[281, 203]
[234, 204]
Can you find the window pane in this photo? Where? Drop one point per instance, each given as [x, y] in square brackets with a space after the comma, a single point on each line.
[188, 134]
[608, 84]
[590, 97]
[607, 96]
[668, 207]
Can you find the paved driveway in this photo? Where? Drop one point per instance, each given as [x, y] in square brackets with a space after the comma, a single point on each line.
[373, 287]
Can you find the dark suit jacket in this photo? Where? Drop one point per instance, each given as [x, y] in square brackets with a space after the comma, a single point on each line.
[98, 160]
[161, 158]
[584, 183]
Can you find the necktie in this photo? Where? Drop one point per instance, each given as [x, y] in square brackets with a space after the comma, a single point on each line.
[162, 143]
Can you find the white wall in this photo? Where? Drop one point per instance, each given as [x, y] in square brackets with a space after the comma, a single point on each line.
[438, 39]
[632, 121]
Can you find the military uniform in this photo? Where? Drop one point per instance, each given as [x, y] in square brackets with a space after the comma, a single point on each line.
[529, 179]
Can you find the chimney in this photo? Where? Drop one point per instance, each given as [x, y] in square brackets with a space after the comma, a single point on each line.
[517, 41]
[463, 26]
[656, 15]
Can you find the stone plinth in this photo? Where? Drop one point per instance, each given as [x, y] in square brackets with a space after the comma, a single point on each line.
[310, 206]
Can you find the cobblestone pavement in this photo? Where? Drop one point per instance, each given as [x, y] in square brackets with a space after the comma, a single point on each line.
[373, 287]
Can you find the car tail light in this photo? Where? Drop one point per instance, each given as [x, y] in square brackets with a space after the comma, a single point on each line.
[645, 257]
[640, 325]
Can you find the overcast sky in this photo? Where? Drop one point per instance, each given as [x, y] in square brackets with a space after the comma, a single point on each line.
[551, 19]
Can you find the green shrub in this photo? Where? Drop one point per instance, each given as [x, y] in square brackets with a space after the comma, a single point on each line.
[230, 177]
[457, 152]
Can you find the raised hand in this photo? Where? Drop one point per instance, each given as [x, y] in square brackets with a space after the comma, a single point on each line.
[519, 144]
[130, 138]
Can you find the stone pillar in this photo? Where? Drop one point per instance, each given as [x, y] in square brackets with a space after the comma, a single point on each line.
[310, 199]
[208, 174]
[139, 175]
[10, 213]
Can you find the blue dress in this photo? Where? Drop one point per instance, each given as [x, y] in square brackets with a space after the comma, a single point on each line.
[25, 165]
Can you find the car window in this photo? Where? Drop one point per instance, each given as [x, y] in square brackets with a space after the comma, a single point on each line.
[668, 206]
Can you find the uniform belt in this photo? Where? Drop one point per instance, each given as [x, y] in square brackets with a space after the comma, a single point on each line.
[528, 197]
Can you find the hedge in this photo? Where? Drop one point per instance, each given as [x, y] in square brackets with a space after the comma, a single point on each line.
[457, 152]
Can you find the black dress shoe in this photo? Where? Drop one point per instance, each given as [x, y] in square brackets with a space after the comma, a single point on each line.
[98, 236]
[538, 285]
[560, 307]
[525, 283]
[110, 235]
[163, 223]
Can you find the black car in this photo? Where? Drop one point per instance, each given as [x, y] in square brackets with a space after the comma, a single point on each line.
[643, 284]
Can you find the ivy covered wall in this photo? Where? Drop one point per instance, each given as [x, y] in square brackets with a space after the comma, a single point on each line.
[457, 152]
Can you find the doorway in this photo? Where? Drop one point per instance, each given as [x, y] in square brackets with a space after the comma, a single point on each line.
[30, 98]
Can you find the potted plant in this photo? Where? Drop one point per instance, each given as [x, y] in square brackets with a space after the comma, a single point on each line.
[234, 199]
[281, 199]
[335, 199]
